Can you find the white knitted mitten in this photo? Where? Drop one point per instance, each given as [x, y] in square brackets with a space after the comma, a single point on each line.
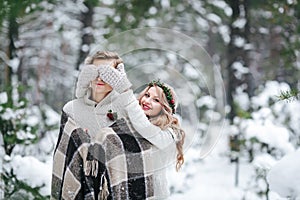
[87, 74]
[116, 78]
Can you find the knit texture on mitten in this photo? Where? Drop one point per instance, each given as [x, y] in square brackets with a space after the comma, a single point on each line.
[87, 74]
[116, 78]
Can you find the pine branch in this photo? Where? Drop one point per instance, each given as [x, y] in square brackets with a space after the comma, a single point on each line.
[290, 95]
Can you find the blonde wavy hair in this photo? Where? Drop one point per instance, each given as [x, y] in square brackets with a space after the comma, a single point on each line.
[167, 120]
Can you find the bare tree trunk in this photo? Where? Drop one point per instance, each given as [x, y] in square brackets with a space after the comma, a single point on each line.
[233, 54]
[249, 79]
[11, 53]
[87, 36]
[237, 54]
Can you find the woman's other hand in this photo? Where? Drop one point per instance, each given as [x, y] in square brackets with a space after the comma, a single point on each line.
[87, 74]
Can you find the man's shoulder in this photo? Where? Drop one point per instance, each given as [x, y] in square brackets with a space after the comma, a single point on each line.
[70, 105]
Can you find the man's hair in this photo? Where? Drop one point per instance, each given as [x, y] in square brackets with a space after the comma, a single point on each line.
[103, 55]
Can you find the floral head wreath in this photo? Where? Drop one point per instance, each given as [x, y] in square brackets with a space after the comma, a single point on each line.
[167, 92]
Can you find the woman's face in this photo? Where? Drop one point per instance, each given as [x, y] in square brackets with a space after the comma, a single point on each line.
[99, 86]
[151, 103]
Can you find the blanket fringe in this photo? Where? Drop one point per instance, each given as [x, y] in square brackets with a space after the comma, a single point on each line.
[103, 194]
[91, 168]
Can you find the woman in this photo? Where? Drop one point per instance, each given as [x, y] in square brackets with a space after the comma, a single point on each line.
[158, 104]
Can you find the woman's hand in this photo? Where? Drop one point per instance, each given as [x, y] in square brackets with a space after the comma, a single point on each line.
[115, 77]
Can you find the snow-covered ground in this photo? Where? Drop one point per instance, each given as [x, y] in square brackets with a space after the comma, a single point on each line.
[213, 178]
[209, 178]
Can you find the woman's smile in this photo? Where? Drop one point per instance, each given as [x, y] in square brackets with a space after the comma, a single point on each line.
[145, 107]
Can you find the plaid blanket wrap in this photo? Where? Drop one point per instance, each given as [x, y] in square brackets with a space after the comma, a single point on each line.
[116, 165]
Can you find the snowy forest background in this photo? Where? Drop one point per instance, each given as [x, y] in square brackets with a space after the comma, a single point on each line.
[228, 60]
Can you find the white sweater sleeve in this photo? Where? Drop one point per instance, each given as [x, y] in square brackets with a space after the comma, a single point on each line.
[160, 138]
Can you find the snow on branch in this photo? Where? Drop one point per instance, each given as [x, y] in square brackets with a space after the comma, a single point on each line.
[289, 95]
